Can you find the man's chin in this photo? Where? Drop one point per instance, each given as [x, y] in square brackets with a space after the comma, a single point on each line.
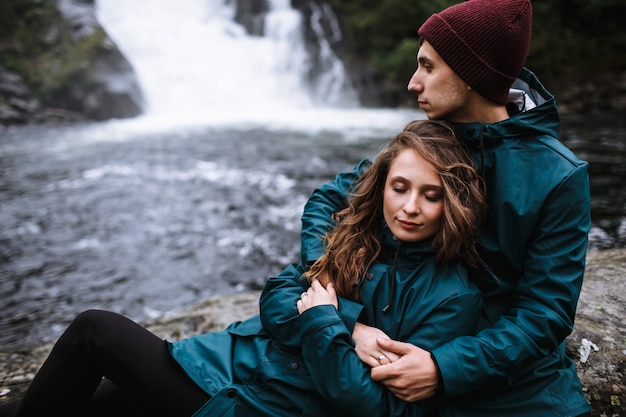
[434, 116]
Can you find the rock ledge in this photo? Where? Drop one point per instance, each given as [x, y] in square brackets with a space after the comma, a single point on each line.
[597, 343]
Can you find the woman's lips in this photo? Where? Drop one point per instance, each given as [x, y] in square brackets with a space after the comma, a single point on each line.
[408, 225]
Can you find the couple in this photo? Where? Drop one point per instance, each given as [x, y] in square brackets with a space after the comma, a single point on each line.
[394, 312]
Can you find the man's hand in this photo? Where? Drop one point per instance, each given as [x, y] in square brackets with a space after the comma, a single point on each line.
[317, 295]
[368, 349]
[411, 378]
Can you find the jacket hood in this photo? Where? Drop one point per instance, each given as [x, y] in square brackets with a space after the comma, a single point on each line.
[537, 116]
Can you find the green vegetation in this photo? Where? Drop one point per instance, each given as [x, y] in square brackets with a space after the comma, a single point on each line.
[578, 37]
[27, 32]
[61, 69]
[570, 37]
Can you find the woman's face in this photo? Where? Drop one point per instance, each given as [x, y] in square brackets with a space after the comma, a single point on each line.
[413, 197]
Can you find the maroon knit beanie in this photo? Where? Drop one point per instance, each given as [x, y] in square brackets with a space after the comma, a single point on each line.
[485, 42]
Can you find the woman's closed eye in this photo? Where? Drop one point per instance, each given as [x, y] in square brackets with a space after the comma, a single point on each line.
[433, 197]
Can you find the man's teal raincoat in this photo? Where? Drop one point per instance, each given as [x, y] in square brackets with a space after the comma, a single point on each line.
[533, 248]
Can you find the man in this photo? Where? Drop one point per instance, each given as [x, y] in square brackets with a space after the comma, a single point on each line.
[534, 244]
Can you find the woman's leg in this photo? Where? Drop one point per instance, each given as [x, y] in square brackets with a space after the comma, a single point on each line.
[7, 409]
[103, 344]
[108, 400]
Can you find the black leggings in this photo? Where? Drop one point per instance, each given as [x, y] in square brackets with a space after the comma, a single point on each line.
[106, 364]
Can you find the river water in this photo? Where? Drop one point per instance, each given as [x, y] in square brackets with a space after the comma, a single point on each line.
[202, 196]
[145, 221]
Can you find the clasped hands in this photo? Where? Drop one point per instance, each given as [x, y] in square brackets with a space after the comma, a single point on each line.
[408, 371]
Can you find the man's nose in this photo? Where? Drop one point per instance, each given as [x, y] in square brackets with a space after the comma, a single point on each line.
[414, 83]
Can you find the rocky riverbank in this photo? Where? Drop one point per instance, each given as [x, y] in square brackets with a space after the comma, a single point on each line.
[597, 344]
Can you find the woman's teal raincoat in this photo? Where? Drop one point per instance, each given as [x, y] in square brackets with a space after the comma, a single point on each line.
[284, 364]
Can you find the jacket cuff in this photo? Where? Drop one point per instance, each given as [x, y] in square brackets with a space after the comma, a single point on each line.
[317, 318]
[349, 311]
[441, 388]
[450, 374]
[311, 254]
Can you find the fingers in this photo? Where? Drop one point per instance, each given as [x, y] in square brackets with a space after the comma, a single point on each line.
[398, 348]
[391, 356]
[413, 377]
[300, 305]
[383, 373]
[331, 289]
[316, 285]
[317, 295]
[375, 361]
[305, 301]
[367, 348]
[386, 358]
[383, 359]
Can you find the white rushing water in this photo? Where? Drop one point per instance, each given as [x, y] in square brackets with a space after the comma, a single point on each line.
[196, 66]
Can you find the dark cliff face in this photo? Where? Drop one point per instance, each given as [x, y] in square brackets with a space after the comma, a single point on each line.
[322, 37]
[323, 28]
[251, 14]
[59, 64]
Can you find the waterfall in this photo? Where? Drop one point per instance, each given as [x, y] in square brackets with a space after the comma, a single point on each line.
[194, 62]
[333, 79]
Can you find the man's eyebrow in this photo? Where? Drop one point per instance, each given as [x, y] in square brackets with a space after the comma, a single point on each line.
[423, 59]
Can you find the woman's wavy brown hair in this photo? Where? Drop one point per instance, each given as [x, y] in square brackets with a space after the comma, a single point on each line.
[353, 244]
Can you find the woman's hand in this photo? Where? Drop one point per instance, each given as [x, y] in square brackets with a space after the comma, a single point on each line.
[367, 348]
[317, 295]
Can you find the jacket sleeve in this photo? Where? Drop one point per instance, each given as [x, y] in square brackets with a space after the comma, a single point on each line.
[344, 381]
[546, 297]
[318, 210]
[278, 310]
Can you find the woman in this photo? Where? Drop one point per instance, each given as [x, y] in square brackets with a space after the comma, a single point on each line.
[396, 260]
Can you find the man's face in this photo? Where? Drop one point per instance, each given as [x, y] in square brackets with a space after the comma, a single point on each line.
[441, 94]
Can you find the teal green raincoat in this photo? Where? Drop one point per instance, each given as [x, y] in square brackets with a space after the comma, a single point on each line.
[285, 364]
[533, 248]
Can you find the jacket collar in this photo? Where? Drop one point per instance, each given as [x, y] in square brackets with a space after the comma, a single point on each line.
[413, 251]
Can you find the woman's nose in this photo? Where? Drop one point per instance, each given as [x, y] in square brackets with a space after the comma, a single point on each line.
[412, 206]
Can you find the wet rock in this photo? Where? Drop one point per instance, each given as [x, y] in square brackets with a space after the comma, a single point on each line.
[16, 102]
[597, 343]
[64, 68]
[111, 90]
